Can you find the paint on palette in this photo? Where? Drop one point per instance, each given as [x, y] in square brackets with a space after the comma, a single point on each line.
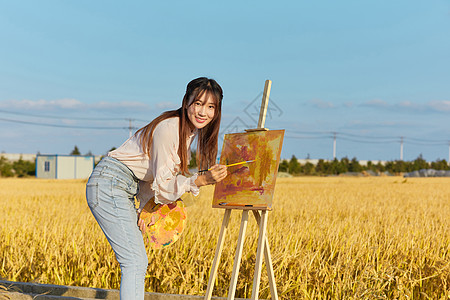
[165, 223]
[252, 184]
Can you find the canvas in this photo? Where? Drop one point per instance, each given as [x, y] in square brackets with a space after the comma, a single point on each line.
[251, 185]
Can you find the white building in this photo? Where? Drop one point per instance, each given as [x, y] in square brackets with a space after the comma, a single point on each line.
[64, 166]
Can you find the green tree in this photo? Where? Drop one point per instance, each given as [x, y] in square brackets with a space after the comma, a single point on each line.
[334, 167]
[294, 165]
[389, 166]
[343, 165]
[440, 165]
[419, 163]
[398, 166]
[308, 168]
[284, 166]
[24, 168]
[330, 166]
[321, 167]
[6, 169]
[193, 160]
[75, 151]
[380, 167]
[354, 166]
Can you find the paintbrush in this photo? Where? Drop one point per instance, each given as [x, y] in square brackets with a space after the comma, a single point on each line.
[231, 165]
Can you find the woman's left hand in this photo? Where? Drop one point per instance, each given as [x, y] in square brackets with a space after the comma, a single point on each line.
[141, 224]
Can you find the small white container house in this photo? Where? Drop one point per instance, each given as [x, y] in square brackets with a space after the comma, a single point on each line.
[64, 166]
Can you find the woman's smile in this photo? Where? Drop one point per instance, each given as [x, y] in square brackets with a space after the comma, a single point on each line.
[201, 111]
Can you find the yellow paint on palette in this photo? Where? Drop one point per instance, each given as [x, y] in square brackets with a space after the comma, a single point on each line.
[250, 186]
[165, 223]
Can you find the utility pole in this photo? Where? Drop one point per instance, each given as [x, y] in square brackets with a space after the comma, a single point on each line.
[334, 145]
[130, 127]
[401, 148]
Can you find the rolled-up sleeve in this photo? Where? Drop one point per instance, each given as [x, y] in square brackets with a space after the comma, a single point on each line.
[168, 185]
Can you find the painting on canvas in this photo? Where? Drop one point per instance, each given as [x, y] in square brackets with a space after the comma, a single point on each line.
[250, 185]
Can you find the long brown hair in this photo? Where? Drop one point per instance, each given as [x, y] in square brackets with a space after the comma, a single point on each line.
[207, 136]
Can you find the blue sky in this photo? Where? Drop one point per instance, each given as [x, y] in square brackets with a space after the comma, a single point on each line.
[372, 72]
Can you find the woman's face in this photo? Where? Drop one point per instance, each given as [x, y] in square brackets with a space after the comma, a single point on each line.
[201, 111]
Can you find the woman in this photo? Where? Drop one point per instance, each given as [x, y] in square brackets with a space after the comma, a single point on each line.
[154, 162]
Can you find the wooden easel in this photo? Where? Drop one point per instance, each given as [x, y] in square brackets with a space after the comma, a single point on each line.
[263, 244]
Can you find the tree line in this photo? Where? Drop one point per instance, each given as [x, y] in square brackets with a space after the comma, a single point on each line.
[345, 165]
[23, 168]
[18, 168]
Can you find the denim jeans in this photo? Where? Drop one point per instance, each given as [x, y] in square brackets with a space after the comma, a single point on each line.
[110, 195]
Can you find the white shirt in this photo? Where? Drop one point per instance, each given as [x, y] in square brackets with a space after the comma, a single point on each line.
[159, 175]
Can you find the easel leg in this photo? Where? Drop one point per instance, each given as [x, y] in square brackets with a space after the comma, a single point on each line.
[215, 265]
[268, 260]
[238, 255]
[259, 255]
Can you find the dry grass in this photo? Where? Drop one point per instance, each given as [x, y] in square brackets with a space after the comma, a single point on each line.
[330, 238]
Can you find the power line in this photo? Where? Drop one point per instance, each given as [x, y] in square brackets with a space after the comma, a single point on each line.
[369, 139]
[364, 136]
[310, 132]
[426, 140]
[366, 139]
[342, 138]
[427, 143]
[68, 117]
[54, 117]
[59, 125]
[368, 142]
[332, 133]
[307, 137]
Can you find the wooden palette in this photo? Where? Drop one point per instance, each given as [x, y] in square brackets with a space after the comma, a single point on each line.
[165, 223]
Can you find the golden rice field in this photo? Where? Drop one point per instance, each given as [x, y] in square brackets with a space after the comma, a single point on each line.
[330, 238]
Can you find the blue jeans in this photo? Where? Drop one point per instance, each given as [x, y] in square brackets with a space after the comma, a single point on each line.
[110, 195]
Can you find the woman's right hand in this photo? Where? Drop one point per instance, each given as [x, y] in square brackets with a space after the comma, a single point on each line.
[216, 174]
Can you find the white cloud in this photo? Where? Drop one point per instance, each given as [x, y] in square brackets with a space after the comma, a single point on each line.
[318, 103]
[409, 106]
[42, 104]
[120, 105]
[371, 124]
[443, 106]
[348, 104]
[72, 105]
[376, 103]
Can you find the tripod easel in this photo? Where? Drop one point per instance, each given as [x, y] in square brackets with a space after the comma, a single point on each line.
[263, 244]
